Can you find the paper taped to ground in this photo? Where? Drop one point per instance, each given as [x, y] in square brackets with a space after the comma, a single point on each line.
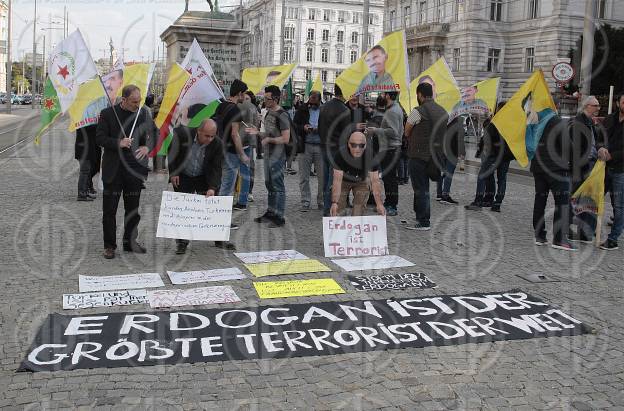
[192, 296]
[297, 288]
[68, 342]
[192, 277]
[194, 217]
[88, 283]
[390, 282]
[372, 263]
[104, 299]
[355, 236]
[287, 267]
[270, 256]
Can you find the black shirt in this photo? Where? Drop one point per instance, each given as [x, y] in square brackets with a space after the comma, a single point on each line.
[355, 169]
[226, 114]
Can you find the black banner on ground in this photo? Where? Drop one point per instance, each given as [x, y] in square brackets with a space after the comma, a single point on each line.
[67, 342]
[391, 282]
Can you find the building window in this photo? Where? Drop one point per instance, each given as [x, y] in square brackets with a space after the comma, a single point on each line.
[338, 73]
[341, 16]
[340, 36]
[308, 74]
[324, 76]
[310, 35]
[422, 13]
[439, 12]
[496, 10]
[326, 15]
[602, 9]
[311, 14]
[529, 64]
[459, 10]
[371, 19]
[292, 13]
[456, 59]
[309, 54]
[288, 53]
[339, 56]
[354, 37]
[289, 32]
[353, 56]
[493, 60]
[356, 18]
[391, 21]
[407, 16]
[324, 55]
[325, 35]
[533, 9]
[371, 40]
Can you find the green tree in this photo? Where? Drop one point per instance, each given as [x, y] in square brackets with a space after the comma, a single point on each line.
[20, 83]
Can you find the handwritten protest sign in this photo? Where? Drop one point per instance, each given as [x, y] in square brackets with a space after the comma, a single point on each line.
[297, 288]
[194, 217]
[104, 299]
[355, 236]
[191, 277]
[87, 283]
[287, 267]
[391, 282]
[270, 256]
[192, 296]
[372, 263]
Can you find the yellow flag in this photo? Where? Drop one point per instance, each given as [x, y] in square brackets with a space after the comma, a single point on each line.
[140, 75]
[445, 90]
[90, 100]
[522, 120]
[257, 78]
[590, 195]
[477, 100]
[318, 85]
[175, 82]
[487, 91]
[383, 68]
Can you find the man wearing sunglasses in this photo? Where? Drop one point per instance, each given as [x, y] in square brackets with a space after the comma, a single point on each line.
[355, 171]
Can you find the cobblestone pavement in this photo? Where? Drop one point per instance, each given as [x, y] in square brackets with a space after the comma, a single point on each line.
[48, 239]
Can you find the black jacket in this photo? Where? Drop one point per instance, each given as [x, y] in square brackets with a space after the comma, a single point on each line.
[614, 142]
[582, 132]
[85, 147]
[334, 123]
[552, 155]
[359, 114]
[183, 138]
[302, 117]
[109, 133]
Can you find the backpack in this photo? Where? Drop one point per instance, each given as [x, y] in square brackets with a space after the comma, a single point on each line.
[219, 117]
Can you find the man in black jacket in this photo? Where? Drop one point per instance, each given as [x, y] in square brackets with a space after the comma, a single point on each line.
[195, 165]
[551, 172]
[614, 147]
[334, 129]
[125, 131]
[89, 155]
[306, 123]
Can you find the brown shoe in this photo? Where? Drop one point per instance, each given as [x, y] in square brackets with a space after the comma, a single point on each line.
[109, 253]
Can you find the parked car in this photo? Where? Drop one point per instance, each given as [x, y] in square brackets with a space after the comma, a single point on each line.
[27, 99]
[2, 98]
[17, 99]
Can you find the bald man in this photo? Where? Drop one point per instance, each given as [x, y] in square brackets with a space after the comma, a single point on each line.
[355, 171]
[195, 164]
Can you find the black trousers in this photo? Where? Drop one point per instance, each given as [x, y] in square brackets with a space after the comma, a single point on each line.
[559, 185]
[389, 171]
[130, 187]
[191, 185]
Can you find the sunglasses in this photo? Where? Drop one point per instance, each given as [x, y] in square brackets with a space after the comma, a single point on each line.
[353, 145]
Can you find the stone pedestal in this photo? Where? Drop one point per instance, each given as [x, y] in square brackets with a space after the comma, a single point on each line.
[220, 36]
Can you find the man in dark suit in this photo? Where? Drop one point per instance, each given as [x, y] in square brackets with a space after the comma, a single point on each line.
[125, 131]
[195, 165]
[334, 128]
[89, 156]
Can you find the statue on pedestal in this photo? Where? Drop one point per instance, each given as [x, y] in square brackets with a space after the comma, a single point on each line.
[213, 7]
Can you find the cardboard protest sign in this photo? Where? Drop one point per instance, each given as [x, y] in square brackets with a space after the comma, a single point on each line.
[390, 282]
[191, 277]
[287, 267]
[297, 288]
[372, 263]
[194, 217]
[192, 296]
[88, 283]
[68, 342]
[104, 299]
[355, 236]
[269, 256]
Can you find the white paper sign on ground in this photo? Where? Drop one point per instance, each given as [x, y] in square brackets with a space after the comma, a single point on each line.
[87, 283]
[104, 299]
[372, 263]
[192, 296]
[270, 256]
[362, 236]
[194, 217]
[192, 277]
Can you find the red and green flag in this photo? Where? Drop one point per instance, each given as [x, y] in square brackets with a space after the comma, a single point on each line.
[50, 109]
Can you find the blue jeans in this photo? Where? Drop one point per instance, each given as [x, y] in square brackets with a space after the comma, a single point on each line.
[444, 183]
[232, 165]
[420, 184]
[274, 182]
[328, 178]
[615, 182]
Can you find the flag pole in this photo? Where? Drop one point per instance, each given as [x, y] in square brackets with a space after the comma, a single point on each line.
[113, 107]
[599, 225]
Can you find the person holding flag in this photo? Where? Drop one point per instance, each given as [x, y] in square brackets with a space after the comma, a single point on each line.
[125, 132]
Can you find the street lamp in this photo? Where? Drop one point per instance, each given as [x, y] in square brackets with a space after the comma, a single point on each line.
[9, 63]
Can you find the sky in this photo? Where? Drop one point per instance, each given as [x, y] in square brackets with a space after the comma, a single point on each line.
[134, 25]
